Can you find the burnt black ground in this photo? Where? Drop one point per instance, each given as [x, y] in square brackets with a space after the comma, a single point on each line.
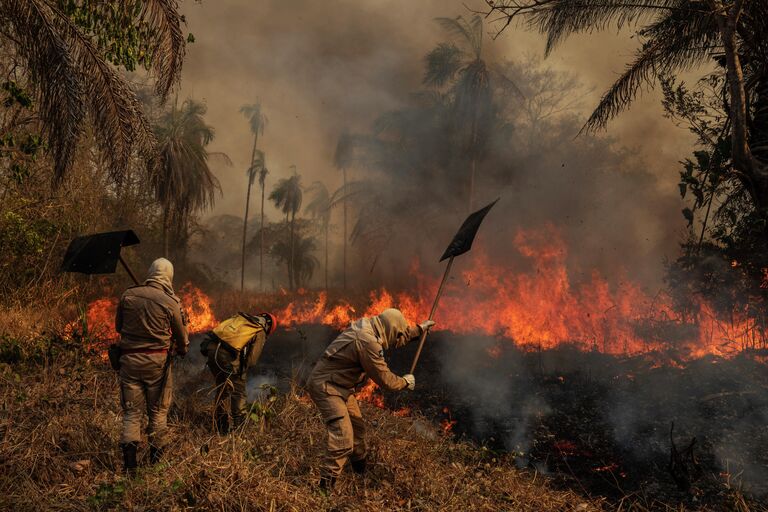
[597, 423]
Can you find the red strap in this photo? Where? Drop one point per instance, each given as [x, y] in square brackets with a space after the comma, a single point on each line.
[144, 351]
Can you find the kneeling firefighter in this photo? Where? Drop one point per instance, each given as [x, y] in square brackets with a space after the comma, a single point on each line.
[356, 353]
[152, 325]
[232, 347]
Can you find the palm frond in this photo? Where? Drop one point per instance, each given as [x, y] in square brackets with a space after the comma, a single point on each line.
[60, 89]
[560, 18]
[287, 195]
[257, 167]
[258, 121]
[469, 33]
[442, 64]
[676, 42]
[169, 43]
[319, 205]
[355, 190]
[73, 80]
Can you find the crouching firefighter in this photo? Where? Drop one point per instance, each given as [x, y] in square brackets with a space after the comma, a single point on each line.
[356, 353]
[232, 347]
[152, 327]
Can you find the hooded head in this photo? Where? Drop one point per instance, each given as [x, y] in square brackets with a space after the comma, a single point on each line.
[161, 273]
[395, 328]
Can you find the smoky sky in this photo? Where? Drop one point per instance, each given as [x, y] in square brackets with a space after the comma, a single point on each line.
[320, 68]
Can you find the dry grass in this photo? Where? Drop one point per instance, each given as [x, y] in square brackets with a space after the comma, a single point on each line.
[60, 424]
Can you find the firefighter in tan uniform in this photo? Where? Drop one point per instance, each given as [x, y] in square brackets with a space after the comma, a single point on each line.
[232, 347]
[151, 326]
[356, 353]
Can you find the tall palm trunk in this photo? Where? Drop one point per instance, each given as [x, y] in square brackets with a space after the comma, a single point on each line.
[344, 258]
[261, 246]
[166, 229]
[327, 223]
[247, 206]
[472, 183]
[293, 278]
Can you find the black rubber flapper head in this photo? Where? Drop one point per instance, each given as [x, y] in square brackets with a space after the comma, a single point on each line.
[98, 253]
[462, 240]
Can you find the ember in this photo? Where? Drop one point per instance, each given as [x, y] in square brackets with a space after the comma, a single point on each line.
[447, 423]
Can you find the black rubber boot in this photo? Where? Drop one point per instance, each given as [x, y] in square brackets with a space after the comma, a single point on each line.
[222, 425]
[326, 484]
[358, 466]
[129, 457]
[155, 454]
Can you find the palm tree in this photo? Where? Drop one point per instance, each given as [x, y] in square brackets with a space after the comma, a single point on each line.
[262, 183]
[183, 182]
[287, 197]
[319, 207]
[677, 35]
[65, 51]
[472, 98]
[258, 168]
[303, 256]
[343, 159]
[258, 122]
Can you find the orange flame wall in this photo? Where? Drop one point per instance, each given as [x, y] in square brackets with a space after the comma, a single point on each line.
[543, 308]
[100, 314]
[539, 307]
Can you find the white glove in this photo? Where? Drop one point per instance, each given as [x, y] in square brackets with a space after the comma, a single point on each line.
[411, 380]
[426, 324]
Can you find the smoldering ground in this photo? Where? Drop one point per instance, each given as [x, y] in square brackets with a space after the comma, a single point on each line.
[587, 419]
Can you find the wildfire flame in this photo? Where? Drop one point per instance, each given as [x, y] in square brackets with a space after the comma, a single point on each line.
[539, 308]
[371, 393]
[198, 307]
[542, 308]
[100, 315]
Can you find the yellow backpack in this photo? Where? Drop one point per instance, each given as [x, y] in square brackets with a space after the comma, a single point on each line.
[237, 331]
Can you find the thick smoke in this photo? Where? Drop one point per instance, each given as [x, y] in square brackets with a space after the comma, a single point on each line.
[322, 69]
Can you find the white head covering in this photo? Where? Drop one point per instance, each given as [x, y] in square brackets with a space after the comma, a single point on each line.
[161, 273]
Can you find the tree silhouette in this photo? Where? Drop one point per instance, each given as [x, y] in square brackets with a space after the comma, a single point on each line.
[258, 122]
[183, 182]
[319, 207]
[301, 252]
[471, 90]
[287, 196]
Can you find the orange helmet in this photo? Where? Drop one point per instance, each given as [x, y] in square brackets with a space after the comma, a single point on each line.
[271, 322]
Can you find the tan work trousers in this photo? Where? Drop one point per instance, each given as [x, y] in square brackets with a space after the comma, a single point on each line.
[141, 388]
[346, 428]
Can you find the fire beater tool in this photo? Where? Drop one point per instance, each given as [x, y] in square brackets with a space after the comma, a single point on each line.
[99, 253]
[461, 243]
